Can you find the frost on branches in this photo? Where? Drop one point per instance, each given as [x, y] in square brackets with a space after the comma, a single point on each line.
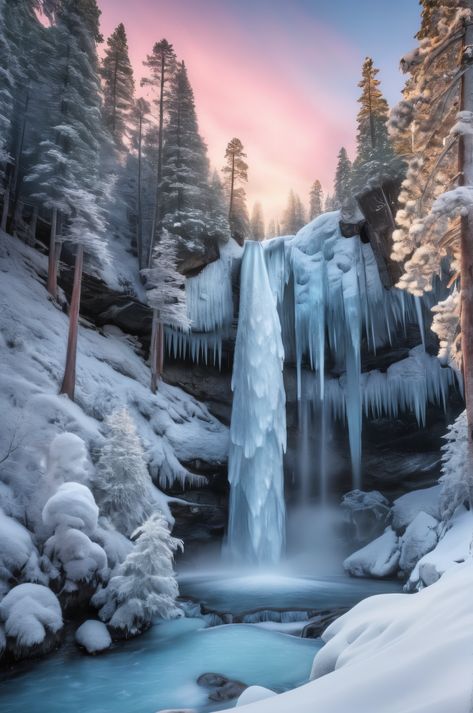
[122, 484]
[144, 586]
[456, 478]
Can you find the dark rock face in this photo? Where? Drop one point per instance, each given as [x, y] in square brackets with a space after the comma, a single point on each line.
[193, 257]
[205, 383]
[317, 626]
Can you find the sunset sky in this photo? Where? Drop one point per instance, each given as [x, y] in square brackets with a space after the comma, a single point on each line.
[280, 74]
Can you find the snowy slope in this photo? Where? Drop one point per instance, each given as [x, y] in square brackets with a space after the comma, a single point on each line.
[395, 653]
[174, 427]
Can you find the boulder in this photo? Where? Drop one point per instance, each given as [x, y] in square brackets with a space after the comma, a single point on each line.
[379, 558]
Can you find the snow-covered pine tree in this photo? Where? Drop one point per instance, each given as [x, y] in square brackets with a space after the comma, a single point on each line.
[144, 587]
[162, 66]
[235, 173]
[257, 222]
[118, 86]
[456, 469]
[435, 220]
[167, 297]
[342, 183]
[65, 178]
[217, 224]
[294, 215]
[375, 158]
[122, 485]
[316, 200]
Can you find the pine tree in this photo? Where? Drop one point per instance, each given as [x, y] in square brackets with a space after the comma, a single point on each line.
[375, 155]
[162, 65]
[456, 469]
[235, 176]
[139, 118]
[6, 100]
[122, 485]
[342, 183]
[257, 222]
[316, 198]
[144, 587]
[435, 219]
[217, 225]
[118, 86]
[294, 215]
[271, 232]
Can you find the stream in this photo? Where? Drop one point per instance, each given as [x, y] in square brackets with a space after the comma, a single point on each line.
[159, 670]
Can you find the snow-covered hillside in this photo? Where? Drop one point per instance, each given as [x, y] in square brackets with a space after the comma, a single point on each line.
[174, 427]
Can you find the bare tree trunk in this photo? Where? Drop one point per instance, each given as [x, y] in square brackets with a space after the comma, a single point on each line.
[139, 236]
[69, 380]
[52, 259]
[159, 174]
[466, 179]
[33, 225]
[154, 352]
[6, 207]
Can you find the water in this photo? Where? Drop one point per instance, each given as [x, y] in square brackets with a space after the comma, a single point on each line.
[159, 670]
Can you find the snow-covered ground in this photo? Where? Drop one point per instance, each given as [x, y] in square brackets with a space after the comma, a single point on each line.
[173, 426]
[395, 653]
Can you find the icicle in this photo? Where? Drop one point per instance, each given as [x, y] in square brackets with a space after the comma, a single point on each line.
[420, 319]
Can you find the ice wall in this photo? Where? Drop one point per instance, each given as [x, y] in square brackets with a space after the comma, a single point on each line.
[256, 527]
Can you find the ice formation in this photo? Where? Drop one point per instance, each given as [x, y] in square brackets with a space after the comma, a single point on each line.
[258, 424]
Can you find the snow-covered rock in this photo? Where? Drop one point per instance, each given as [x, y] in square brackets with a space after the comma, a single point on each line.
[406, 508]
[453, 548]
[254, 694]
[93, 636]
[367, 512]
[379, 558]
[30, 618]
[18, 555]
[419, 538]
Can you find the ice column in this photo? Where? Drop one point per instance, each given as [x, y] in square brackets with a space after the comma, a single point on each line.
[256, 529]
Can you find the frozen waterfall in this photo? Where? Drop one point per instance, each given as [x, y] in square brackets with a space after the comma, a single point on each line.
[256, 529]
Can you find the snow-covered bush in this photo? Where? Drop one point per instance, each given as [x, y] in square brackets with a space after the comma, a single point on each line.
[123, 486]
[30, 620]
[75, 562]
[144, 586]
[456, 471]
[19, 559]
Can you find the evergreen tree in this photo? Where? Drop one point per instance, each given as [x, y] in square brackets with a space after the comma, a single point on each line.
[235, 176]
[435, 219]
[294, 215]
[342, 183]
[6, 95]
[122, 485]
[144, 587]
[316, 198]
[257, 222]
[217, 225]
[271, 232]
[118, 86]
[330, 203]
[139, 118]
[162, 65]
[375, 155]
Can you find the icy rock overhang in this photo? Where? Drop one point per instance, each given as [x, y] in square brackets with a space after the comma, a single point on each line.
[331, 301]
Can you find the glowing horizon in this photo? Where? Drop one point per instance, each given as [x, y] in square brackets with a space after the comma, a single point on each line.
[283, 79]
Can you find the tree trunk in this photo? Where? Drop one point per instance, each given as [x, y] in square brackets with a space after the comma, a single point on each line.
[69, 380]
[52, 260]
[466, 179]
[154, 355]
[6, 207]
[159, 173]
[33, 225]
[139, 236]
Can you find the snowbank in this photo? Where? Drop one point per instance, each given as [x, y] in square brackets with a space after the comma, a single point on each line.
[93, 636]
[395, 653]
[31, 617]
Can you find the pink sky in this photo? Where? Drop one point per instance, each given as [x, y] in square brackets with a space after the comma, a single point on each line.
[287, 89]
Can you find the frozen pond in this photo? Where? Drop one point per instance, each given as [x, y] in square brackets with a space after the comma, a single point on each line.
[159, 670]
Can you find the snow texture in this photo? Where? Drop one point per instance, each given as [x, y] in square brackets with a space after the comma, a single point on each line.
[406, 508]
[379, 558]
[28, 612]
[93, 636]
[173, 427]
[19, 558]
[258, 425]
[419, 538]
[254, 694]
